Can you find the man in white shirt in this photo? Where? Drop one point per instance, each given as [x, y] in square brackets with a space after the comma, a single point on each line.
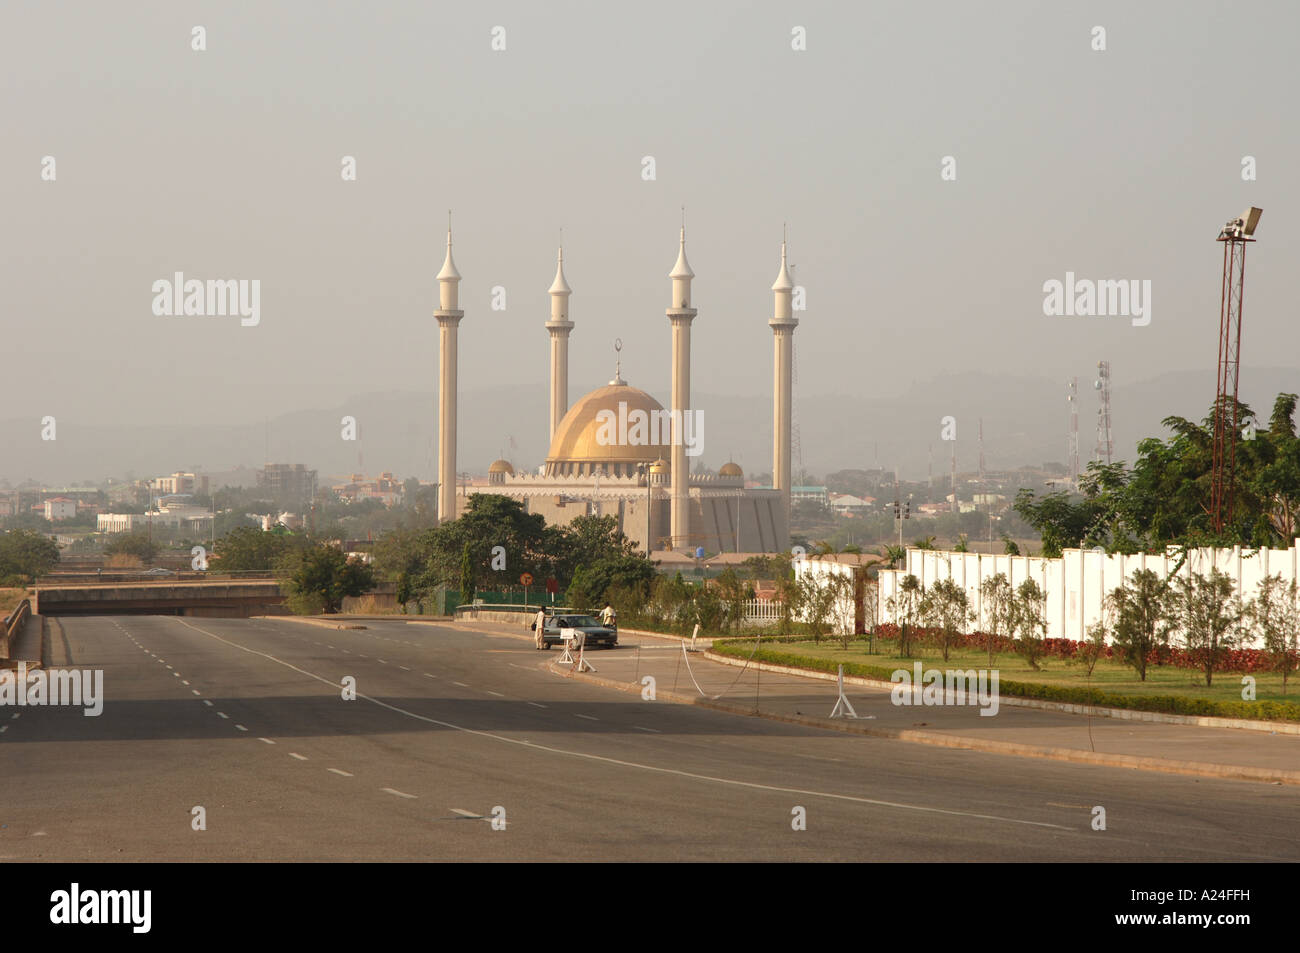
[539, 624]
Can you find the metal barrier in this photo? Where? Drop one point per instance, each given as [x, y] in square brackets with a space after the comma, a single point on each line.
[14, 624]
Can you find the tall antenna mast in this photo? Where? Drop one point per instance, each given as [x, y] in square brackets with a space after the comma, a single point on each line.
[981, 450]
[1072, 435]
[954, 476]
[1105, 445]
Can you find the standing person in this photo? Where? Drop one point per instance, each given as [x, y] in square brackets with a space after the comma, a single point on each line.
[607, 616]
[539, 624]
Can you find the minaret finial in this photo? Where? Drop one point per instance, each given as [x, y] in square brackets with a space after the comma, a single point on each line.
[448, 228]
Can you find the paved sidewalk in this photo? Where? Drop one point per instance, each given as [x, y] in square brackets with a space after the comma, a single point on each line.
[690, 678]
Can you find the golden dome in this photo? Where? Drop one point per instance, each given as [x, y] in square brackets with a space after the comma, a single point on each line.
[577, 446]
[502, 466]
[730, 469]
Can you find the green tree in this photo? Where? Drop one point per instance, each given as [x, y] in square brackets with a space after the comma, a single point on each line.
[467, 586]
[734, 593]
[488, 520]
[1098, 633]
[905, 607]
[581, 593]
[945, 608]
[133, 544]
[998, 600]
[323, 575]
[1143, 619]
[1275, 615]
[1030, 616]
[821, 598]
[1210, 615]
[25, 555]
[248, 548]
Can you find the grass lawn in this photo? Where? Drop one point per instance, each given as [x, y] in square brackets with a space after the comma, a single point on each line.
[9, 599]
[1108, 676]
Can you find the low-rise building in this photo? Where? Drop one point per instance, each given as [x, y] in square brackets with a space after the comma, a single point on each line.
[59, 508]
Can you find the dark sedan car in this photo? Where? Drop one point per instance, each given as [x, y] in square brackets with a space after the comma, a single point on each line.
[594, 633]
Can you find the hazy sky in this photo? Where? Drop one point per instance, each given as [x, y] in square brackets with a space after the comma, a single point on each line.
[225, 163]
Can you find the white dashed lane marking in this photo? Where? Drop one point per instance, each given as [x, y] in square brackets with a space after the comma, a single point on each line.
[655, 730]
[341, 773]
[398, 793]
[267, 740]
[588, 717]
[294, 754]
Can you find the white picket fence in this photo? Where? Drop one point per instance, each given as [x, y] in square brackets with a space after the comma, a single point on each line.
[761, 612]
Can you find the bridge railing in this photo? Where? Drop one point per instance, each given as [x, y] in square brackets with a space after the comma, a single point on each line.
[13, 624]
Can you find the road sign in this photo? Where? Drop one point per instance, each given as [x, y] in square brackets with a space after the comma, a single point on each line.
[526, 579]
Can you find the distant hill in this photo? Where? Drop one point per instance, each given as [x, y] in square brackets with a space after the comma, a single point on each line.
[1025, 421]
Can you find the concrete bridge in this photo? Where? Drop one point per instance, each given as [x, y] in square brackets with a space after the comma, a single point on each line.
[172, 597]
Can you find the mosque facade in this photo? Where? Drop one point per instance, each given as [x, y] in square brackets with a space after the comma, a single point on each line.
[618, 452]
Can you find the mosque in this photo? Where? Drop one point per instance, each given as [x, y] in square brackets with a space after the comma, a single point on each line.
[617, 451]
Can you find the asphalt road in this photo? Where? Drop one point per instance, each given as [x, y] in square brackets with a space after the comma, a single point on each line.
[246, 719]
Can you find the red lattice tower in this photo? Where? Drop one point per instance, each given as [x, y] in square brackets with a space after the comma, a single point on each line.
[1236, 235]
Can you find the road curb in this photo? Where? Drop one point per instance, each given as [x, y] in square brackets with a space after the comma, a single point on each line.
[941, 740]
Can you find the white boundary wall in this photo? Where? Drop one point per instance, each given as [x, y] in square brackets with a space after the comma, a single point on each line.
[842, 614]
[1077, 582]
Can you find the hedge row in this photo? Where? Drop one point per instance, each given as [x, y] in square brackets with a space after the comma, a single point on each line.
[1076, 695]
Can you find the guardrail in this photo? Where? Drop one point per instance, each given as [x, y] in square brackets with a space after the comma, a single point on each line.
[530, 608]
[14, 622]
[144, 575]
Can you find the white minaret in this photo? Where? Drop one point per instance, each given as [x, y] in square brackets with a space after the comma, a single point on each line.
[559, 327]
[783, 324]
[448, 316]
[680, 315]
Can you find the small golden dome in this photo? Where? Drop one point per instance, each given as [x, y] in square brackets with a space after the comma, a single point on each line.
[502, 466]
[730, 469]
